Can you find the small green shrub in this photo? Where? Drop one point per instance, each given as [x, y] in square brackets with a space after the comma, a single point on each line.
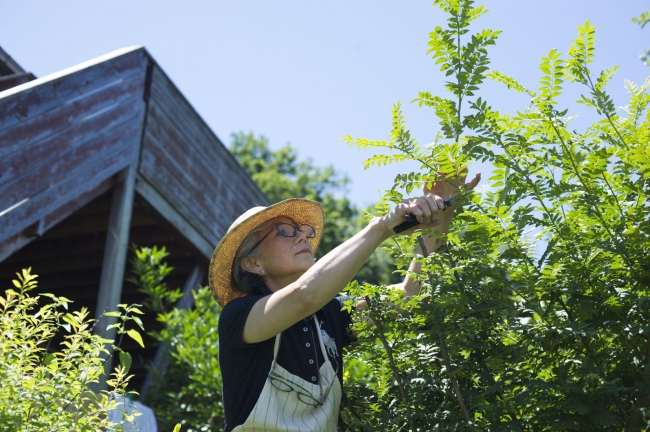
[189, 393]
[44, 387]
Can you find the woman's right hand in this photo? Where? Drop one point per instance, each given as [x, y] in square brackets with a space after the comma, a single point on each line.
[425, 209]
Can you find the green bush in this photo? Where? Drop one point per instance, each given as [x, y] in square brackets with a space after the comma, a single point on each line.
[536, 314]
[46, 387]
[189, 392]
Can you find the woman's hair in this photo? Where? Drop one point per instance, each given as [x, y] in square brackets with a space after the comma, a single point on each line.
[243, 281]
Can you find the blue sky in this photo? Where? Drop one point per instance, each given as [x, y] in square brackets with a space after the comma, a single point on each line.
[310, 72]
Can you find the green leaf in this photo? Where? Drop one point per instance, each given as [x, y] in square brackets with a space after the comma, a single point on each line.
[112, 314]
[126, 360]
[138, 322]
[48, 359]
[135, 336]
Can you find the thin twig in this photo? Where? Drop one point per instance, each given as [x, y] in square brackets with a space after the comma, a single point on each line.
[445, 354]
[389, 353]
[478, 351]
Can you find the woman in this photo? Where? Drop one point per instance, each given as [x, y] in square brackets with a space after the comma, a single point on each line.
[282, 330]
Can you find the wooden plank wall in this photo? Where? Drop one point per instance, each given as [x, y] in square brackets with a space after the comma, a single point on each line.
[185, 162]
[63, 140]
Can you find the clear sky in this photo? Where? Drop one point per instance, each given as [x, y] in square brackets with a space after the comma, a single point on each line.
[309, 72]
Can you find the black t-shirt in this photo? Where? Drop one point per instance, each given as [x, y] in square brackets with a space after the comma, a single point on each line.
[245, 367]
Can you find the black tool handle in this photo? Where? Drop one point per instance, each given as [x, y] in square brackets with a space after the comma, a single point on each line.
[411, 221]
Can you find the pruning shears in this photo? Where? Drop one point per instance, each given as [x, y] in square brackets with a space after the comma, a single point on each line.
[411, 220]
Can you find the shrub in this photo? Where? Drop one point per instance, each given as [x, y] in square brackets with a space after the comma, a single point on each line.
[535, 316]
[189, 392]
[46, 388]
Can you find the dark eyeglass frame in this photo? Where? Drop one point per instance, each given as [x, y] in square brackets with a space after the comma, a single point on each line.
[304, 395]
[283, 233]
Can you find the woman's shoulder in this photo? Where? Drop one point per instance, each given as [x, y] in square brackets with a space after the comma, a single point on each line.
[234, 314]
[235, 306]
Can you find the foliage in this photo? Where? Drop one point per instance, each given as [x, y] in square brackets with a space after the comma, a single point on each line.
[149, 271]
[189, 392]
[280, 176]
[535, 314]
[642, 20]
[48, 389]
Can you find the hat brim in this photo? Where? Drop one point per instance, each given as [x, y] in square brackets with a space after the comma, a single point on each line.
[302, 211]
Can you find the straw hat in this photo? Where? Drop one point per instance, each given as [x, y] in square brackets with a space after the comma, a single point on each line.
[302, 211]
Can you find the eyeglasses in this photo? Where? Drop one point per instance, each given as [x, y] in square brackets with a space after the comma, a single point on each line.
[286, 385]
[288, 230]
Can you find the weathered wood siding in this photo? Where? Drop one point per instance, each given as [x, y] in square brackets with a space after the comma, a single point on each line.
[185, 162]
[62, 139]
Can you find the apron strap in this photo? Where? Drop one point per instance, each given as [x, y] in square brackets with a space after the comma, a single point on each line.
[278, 338]
[276, 348]
[320, 340]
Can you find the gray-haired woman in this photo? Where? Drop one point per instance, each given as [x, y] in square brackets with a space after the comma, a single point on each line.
[282, 330]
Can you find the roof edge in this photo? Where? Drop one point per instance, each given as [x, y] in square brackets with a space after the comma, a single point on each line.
[10, 62]
[59, 74]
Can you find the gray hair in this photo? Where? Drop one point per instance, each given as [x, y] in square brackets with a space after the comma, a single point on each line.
[241, 280]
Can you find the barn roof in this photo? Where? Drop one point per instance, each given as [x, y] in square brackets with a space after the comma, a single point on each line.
[64, 135]
[11, 73]
[106, 153]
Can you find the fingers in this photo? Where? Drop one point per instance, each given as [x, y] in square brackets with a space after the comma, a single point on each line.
[425, 208]
[471, 185]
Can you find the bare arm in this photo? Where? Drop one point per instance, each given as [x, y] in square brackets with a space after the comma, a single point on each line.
[326, 278]
[434, 241]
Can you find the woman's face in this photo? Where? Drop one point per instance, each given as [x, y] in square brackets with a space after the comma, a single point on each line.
[283, 259]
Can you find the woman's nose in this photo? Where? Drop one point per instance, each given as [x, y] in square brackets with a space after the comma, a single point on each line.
[301, 236]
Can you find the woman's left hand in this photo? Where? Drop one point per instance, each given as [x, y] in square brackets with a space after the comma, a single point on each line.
[450, 188]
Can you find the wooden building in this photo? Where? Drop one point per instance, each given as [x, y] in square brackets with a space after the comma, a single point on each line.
[102, 155]
[11, 74]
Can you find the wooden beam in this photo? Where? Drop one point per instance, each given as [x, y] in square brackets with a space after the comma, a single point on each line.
[112, 277]
[115, 251]
[161, 360]
[162, 206]
[19, 240]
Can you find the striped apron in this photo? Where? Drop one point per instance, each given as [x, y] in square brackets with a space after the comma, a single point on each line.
[280, 407]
